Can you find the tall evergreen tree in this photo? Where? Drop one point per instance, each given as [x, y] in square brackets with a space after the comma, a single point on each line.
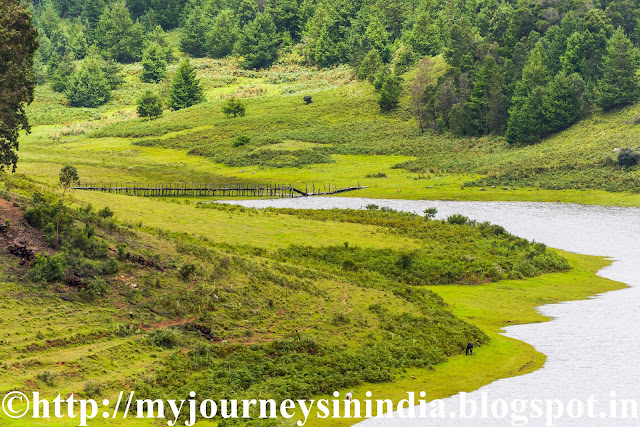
[486, 105]
[186, 89]
[562, 101]
[258, 42]
[389, 87]
[154, 64]
[619, 84]
[63, 73]
[222, 36]
[91, 11]
[246, 12]
[526, 118]
[117, 35]
[424, 36]
[88, 87]
[193, 38]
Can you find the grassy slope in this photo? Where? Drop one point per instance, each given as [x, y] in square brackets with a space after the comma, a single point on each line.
[342, 129]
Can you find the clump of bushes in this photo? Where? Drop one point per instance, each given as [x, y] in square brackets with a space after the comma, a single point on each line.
[48, 377]
[165, 338]
[81, 252]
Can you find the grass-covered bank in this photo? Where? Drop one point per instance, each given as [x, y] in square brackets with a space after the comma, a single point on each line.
[491, 307]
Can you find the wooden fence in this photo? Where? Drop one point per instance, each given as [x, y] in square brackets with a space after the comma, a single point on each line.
[215, 190]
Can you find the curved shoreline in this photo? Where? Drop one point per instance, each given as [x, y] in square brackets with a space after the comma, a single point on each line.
[504, 357]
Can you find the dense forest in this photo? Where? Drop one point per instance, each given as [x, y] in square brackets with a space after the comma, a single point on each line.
[523, 70]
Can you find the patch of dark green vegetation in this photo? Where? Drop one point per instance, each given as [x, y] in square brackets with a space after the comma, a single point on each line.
[457, 250]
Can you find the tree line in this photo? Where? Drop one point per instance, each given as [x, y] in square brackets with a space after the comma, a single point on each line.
[522, 70]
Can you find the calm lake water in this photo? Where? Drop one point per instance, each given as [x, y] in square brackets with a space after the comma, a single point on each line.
[592, 346]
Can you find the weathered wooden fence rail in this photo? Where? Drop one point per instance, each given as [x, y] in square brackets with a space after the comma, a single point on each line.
[214, 190]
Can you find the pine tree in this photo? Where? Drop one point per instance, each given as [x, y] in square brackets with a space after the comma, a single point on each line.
[526, 122]
[185, 90]
[424, 36]
[562, 101]
[149, 105]
[389, 87]
[117, 35]
[168, 12]
[88, 87]
[526, 118]
[370, 65]
[378, 37]
[246, 12]
[222, 36]
[258, 42]
[154, 64]
[487, 105]
[460, 44]
[619, 84]
[193, 37]
[91, 11]
[63, 73]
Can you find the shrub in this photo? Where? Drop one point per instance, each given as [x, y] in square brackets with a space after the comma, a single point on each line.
[165, 338]
[92, 389]
[240, 141]
[105, 212]
[186, 270]
[628, 157]
[233, 108]
[458, 219]
[48, 269]
[349, 265]
[372, 207]
[48, 377]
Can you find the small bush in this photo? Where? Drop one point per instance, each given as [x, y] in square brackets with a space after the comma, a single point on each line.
[186, 270]
[48, 269]
[349, 265]
[233, 108]
[458, 219]
[240, 141]
[92, 389]
[105, 212]
[165, 338]
[376, 175]
[48, 377]
[430, 213]
[628, 157]
[372, 207]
